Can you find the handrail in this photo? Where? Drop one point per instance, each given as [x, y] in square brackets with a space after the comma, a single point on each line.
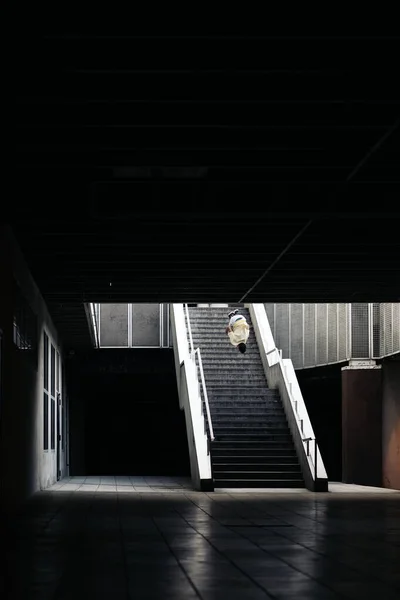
[273, 356]
[189, 328]
[308, 440]
[203, 382]
[197, 351]
[93, 314]
[300, 421]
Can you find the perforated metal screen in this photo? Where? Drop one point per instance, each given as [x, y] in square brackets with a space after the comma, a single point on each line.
[319, 334]
[376, 328]
[359, 330]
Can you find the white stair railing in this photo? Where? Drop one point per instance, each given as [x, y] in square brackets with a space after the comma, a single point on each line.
[190, 400]
[202, 379]
[280, 374]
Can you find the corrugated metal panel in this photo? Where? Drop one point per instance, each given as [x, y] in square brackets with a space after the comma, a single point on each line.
[269, 308]
[282, 329]
[322, 312]
[309, 335]
[343, 331]
[296, 335]
[381, 329]
[317, 334]
[396, 327]
[388, 329]
[332, 333]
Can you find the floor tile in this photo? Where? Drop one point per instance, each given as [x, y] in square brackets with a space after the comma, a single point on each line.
[155, 538]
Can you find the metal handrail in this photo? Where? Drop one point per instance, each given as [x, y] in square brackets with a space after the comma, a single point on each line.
[308, 440]
[189, 328]
[197, 351]
[289, 389]
[93, 314]
[203, 382]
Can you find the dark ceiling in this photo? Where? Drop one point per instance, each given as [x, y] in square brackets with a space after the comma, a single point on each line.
[207, 168]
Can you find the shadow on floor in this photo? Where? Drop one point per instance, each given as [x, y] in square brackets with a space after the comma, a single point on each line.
[177, 543]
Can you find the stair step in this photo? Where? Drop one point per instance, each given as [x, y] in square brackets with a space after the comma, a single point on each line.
[267, 427]
[234, 371]
[250, 428]
[276, 453]
[219, 365]
[214, 319]
[259, 380]
[257, 474]
[224, 380]
[248, 405]
[221, 320]
[251, 407]
[245, 400]
[245, 409]
[219, 336]
[214, 324]
[253, 394]
[251, 444]
[232, 356]
[245, 390]
[240, 361]
[220, 343]
[253, 415]
[236, 417]
[251, 466]
[254, 437]
[216, 332]
[271, 460]
[258, 483]
[227, 350]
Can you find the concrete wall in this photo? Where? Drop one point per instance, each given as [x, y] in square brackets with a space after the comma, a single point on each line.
[25, 466]
[391, 424]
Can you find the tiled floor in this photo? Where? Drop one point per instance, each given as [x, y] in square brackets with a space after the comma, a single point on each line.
[122, 484]
[165, 541]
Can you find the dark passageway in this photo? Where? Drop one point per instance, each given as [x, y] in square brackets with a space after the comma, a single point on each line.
[125, 415]
[322, 391]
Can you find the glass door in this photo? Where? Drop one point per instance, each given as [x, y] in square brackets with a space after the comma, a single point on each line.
[59, 417]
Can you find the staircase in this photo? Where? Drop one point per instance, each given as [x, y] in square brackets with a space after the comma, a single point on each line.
[253, 446]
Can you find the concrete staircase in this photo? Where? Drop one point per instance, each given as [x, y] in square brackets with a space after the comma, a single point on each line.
[253, 446]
